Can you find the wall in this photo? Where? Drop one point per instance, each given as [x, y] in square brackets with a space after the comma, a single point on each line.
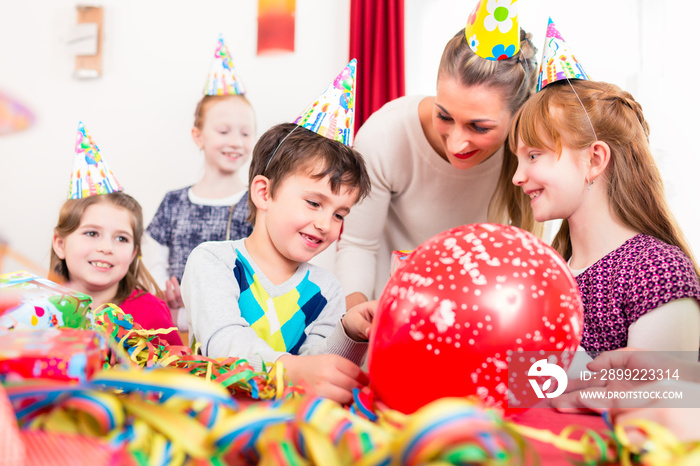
[156, 56]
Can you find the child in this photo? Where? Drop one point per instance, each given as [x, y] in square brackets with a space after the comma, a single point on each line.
[258, 298]
[584, 156]
[97, 243]
[214, 208]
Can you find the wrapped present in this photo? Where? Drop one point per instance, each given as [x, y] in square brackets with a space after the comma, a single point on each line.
[45, 304]
[397, 257]
[59, 354]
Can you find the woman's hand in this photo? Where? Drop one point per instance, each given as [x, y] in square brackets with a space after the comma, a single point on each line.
[353, 299]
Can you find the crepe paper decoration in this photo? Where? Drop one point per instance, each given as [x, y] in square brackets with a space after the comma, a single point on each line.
[332, 115]
[223, 78]
[492, 29]
[45, 304]
[166, 416]
[138, 347]
[13, 115]
[35, 448]
[60, 354]
[558, 62]
[162, 415]
[91, 175]
[276, 26]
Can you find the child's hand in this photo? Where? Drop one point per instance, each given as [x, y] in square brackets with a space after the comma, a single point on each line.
[326, 375]
[173, 296]
[357, 322]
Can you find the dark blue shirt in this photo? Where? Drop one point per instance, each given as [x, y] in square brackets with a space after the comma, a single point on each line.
[181, 225]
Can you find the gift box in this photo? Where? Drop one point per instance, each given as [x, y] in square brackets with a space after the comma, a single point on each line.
[55, 353]
[45, 304]
[397, 257]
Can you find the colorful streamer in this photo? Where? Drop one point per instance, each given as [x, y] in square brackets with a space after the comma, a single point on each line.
[167, 405]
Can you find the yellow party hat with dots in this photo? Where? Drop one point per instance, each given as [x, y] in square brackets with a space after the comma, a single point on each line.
[492, 29]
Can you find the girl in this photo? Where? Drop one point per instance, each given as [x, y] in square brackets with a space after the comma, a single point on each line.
[437, 162]
[96, 247]
[589, 162]
[214, 208]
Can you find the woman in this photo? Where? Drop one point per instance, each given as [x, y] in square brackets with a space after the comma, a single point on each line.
[438, 162]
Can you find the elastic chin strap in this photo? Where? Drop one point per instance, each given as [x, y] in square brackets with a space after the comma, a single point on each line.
[276, 148]
[588, 181]
[583, 107]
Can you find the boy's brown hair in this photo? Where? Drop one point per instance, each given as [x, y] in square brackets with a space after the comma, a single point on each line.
[287, 149]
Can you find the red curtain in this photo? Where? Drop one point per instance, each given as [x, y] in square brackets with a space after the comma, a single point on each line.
[376, 40]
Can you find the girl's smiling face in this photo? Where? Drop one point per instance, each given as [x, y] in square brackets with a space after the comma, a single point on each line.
[227, 134]
[99, 252]
[556, 183]
[472, 122]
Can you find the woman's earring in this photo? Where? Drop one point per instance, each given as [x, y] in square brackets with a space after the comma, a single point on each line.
[590, 183]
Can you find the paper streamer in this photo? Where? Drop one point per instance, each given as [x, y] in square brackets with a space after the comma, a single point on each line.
[169, 415]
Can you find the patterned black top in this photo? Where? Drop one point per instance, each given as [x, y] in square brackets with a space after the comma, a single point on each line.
[639, 276]
[182, 225]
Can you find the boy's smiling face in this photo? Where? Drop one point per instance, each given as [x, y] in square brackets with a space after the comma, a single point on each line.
[305, 216]
[302, 219]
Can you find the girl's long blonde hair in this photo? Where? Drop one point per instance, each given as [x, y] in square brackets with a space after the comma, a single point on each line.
[137, 277]
[634, 184]
[515, 79]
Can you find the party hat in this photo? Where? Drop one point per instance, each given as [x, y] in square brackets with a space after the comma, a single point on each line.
[492, 29]
[91, 175]
[557, 60]
[333, 114]
[222, 78]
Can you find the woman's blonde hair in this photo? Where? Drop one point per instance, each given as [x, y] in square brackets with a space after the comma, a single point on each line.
[515, 78]
[69, 218]
[555, 117]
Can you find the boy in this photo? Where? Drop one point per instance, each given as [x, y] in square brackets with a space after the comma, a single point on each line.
[258, 298]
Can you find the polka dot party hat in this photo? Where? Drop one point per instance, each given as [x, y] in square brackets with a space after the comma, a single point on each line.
[492, 29]
[222, 78]
[557, 60]
[333, 114]
[91, 175]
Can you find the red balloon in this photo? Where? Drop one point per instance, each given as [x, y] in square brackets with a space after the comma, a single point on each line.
[452, 311]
